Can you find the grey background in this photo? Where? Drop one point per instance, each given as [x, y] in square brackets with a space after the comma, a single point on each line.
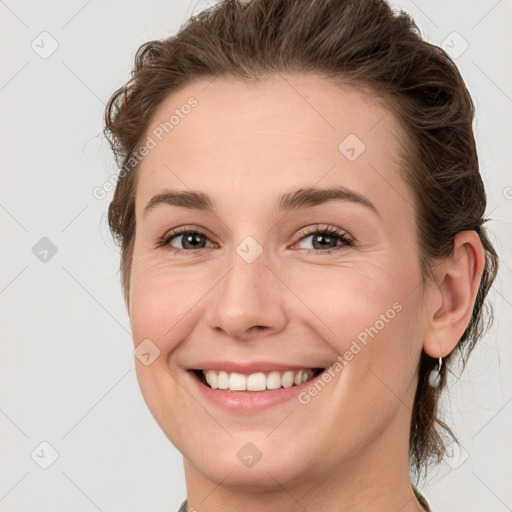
[67, 368]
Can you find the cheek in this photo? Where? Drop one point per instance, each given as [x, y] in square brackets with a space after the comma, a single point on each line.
[372, 320]
[151, 303]
[164, 307]
[163, 302]
[345, 302]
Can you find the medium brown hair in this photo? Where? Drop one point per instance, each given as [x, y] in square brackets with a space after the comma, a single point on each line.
[361, 43]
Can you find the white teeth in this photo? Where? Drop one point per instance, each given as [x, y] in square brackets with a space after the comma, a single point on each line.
[287, 379]
[256, 381]
[273, 380]
[222, 380]
[237, 382]
[211, 378]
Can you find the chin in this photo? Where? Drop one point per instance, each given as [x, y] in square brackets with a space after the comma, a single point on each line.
[250, 465]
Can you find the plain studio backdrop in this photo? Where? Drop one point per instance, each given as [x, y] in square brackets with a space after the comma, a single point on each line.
[75, 431]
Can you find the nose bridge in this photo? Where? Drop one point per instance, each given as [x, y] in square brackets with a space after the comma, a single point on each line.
[248, 295]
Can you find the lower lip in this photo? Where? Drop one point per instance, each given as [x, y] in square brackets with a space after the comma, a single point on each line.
[249, 401]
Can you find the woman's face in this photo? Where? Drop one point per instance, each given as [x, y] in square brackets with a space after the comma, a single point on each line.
[257, 286]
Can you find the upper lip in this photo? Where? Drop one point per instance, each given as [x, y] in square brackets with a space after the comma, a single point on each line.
[250, 367]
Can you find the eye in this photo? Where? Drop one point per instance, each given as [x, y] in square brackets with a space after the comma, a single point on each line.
[184, 240]
[325, 239]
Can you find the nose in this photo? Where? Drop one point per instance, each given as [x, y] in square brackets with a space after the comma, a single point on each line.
[248, 302]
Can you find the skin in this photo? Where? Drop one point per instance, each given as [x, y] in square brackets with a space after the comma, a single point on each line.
[244, 145]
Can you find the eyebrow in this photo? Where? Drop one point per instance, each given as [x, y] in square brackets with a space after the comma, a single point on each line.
[297, 199]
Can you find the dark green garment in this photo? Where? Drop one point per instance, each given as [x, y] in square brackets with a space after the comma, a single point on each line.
[418, 494]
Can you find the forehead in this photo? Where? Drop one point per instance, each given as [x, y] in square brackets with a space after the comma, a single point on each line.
[225, 136]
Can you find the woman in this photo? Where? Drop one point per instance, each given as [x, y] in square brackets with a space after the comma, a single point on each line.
[300, 215]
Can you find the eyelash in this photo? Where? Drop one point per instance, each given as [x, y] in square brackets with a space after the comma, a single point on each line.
[346, 240]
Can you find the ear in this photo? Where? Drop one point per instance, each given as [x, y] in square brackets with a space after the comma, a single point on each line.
[451, 302]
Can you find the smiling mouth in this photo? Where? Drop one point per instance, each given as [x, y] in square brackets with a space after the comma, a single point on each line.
[259, 381]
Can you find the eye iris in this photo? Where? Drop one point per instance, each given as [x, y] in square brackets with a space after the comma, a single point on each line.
[325, 238]
[192, 239]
